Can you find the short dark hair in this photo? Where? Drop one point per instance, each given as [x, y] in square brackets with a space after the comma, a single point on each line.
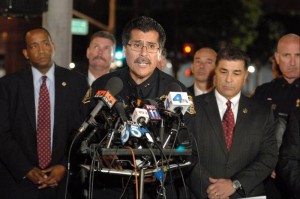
[144, 24]
[36, 28]
[233, 53]
[104, 34]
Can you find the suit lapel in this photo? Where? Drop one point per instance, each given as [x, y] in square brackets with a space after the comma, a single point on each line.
[213, 116]
[241, 121]
[27, 92]
[60, 85]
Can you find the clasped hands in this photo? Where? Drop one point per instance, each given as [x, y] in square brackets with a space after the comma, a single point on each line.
[49, 177]
[220, 188]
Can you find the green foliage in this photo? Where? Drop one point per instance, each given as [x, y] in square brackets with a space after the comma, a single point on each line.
[218, 23]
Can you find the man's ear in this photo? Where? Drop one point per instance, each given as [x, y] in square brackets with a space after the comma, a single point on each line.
[24, 51]
[276, 55]
[124, 51]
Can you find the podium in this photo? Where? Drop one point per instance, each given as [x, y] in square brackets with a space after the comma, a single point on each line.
[157, 152]
[144, 171]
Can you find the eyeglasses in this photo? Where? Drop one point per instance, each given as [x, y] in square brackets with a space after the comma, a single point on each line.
[139, 45]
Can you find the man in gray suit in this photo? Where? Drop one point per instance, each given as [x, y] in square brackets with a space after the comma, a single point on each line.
[235, 147]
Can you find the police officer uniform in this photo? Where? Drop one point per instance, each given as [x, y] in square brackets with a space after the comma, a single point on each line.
[284, 98]
[154, 87]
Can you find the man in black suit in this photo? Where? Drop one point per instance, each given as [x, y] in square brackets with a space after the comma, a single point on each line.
[24, 174]
[235, 147]
[203, 66]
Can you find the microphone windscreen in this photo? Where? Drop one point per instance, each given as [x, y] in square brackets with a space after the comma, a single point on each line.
[119, 106]
[114, 85]
[150, 102]
[172, 87]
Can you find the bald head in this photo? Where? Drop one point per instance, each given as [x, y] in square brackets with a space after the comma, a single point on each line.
[203, 67]
[288, 38]
[288, 56]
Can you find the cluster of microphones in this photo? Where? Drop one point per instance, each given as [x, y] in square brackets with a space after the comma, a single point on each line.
[152, 121]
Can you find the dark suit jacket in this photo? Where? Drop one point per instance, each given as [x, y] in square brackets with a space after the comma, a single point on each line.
[18, 145]
[253, 154]
[289, 157]
[191, 89]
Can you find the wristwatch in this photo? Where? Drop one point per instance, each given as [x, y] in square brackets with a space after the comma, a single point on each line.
[236, 184]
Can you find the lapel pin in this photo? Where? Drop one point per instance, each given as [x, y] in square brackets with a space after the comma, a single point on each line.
[147, 85]
[64, 84]
[298, 103]
[245, 110]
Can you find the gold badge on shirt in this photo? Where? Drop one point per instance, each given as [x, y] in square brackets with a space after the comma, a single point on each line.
[191, 110]
[87, 96]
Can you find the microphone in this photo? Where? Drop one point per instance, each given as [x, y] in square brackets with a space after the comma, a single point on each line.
[152, 112]
[159, 105]
[113, 86]
[140, 116]
[107, 118]
[132, 130]
[84, 144]
[155, 117]
[119, 106]
[177, 102]
[172, 87]
[174, 131]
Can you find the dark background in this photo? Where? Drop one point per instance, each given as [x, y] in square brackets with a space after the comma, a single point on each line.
[253, 25]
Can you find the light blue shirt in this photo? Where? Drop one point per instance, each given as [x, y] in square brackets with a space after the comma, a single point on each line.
[37, 82]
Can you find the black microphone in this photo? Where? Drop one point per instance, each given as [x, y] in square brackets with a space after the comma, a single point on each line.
[113, 86]
[172, 87]
[119, 106]
[107, 118]
[159, 104]
[84, 148]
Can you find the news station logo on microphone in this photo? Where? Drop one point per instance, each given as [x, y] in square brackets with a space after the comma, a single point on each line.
[140, 116]
[177, 101]
[105, 95]
[152, 112]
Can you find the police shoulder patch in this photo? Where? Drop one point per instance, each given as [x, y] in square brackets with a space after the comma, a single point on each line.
[191, 109]
[87, 97]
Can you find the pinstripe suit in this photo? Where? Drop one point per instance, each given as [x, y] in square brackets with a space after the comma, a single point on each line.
[253, 153]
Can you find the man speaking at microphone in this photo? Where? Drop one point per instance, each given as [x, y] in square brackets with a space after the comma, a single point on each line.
[143, 40]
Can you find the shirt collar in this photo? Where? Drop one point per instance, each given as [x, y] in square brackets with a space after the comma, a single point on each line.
[145, 88]
[222, 100]
[91, 78]
[37, 74]
[198, 91]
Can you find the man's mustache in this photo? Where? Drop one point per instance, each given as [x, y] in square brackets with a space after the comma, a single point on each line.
[142, 60]
[99, 57]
